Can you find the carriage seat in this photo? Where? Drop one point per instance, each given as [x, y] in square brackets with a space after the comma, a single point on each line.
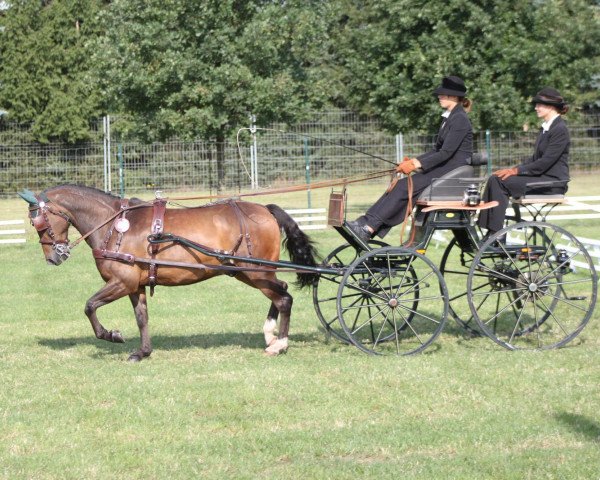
[539, 198]
[538, 205]
[451, 186]
[536, 197]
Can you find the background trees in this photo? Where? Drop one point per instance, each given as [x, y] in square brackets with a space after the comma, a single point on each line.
[45, 66]
[199, 68]
[393, 52]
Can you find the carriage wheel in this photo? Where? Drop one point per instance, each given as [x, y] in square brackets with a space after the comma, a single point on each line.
[326, 290]
[392, 301]
[535, 291]
[455, 266]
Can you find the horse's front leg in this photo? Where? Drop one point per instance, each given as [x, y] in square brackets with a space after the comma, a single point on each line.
[140, 307]
[109, 293]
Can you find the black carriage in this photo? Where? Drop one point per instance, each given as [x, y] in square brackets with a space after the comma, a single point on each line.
[531, 285]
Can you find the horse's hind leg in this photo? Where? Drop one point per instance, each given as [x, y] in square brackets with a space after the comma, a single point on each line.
[270, 325]
[281, 301]
[271, 322]
[109, 293]
[140, 307]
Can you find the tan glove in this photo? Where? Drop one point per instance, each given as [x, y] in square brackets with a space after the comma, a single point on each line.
[407, 166]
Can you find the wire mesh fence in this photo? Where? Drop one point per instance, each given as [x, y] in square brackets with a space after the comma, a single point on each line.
[331, 145]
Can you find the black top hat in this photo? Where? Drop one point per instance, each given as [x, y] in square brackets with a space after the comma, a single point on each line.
[451, 85]
[549, 96]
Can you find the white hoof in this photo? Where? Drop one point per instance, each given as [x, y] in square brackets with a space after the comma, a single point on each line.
[280, 346]
[268, 330]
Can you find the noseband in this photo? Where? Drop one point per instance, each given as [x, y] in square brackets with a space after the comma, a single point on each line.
[39, 219]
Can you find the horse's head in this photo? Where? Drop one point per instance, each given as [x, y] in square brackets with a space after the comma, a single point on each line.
[52, 226]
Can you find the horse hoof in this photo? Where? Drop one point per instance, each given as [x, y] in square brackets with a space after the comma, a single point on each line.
[116, 337]
[280, 346]
[272, 352]
[134, 358]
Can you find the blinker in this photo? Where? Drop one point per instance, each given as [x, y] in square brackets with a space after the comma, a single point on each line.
[39, 223]
[28, 196]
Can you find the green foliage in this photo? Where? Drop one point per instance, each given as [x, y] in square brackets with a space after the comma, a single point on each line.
[394, 53]
[199, 69]
[45, 67]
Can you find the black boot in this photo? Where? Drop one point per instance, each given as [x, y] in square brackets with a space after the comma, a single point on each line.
[361, 231]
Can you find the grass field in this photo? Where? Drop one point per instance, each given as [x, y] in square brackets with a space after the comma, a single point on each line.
[208, 404]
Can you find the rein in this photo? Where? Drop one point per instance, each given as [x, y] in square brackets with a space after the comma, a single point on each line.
[297, 188]
[63, 247]
[109, 219]
[408, 214]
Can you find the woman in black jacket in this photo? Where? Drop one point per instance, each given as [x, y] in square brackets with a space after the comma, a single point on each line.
[549, 163]
[453, 148]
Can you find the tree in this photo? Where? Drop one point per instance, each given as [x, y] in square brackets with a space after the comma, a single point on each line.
[200, 68]
[392, 53]
[44, 67]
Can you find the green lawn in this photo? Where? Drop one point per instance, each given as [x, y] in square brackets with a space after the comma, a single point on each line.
[208, 404]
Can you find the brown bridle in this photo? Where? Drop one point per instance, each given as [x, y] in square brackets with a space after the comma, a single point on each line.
[38, 215]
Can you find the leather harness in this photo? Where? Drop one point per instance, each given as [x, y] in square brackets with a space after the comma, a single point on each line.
[157, 230]
[158, 217]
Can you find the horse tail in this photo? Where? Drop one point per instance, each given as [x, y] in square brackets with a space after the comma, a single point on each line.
[299, 246]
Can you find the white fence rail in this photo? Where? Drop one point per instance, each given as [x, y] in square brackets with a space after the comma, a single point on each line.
[309, 218]
[577, 205]
[16, 235]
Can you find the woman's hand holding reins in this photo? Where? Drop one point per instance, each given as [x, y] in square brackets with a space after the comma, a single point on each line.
[408, 165]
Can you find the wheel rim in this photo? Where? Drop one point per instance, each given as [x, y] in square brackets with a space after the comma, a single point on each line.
[403, 302]
[325, 293]
[537, 291]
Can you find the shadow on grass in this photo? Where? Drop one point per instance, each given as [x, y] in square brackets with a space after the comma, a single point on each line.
[171, 342]
[581, 424]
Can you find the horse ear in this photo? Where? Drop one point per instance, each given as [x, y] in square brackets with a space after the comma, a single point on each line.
[28, 196]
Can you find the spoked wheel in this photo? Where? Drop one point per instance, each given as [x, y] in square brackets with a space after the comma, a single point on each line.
[392, 301]
[326, 291]
[535, 290]
[454, 266]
